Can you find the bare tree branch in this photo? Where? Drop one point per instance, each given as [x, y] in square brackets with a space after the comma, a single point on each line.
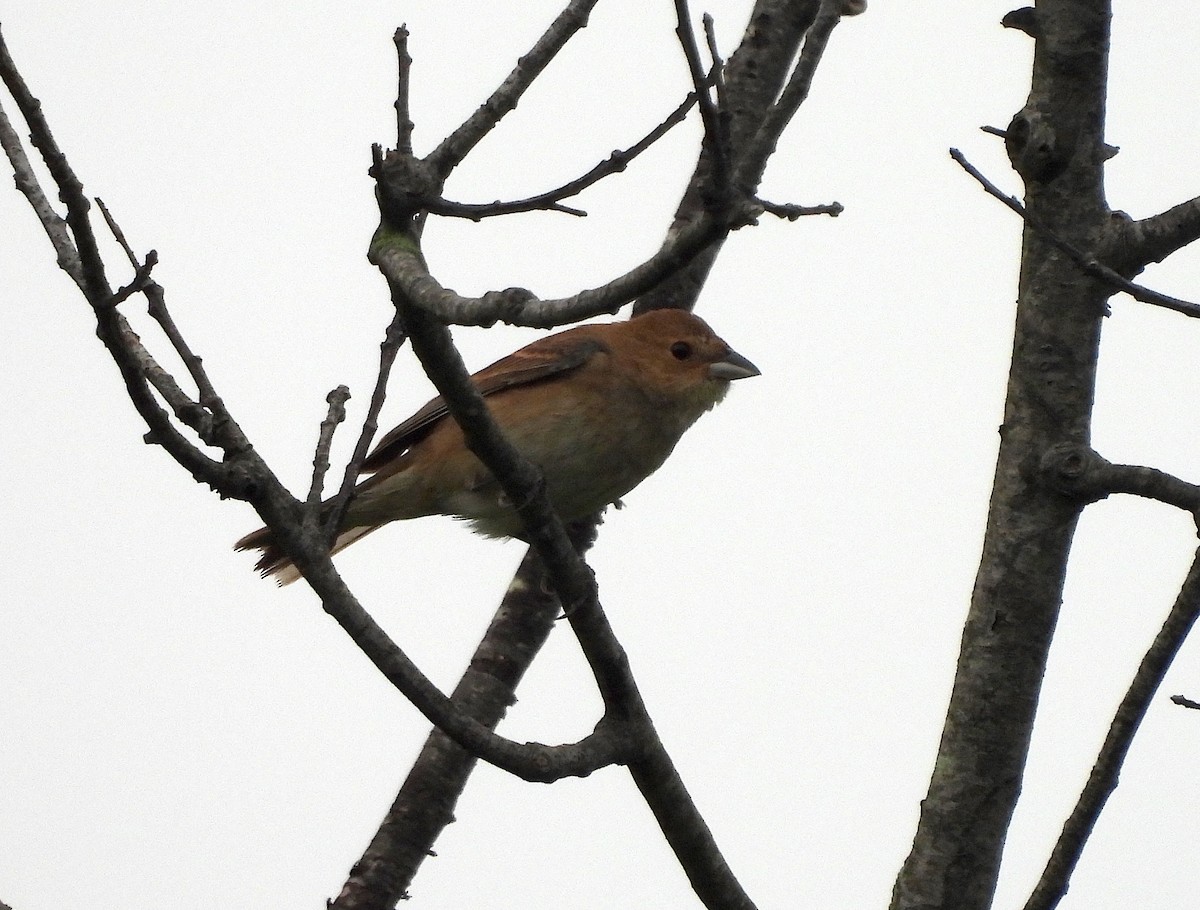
[516, 306]
[966, 813]
[613, 164]
[1082, 473]
[752, 160]
[243, 475]
[86, 252]
[334, 416]
[426, 801]
[1086, 261]
[717, 73]
[1052, 886]
[404, 123]
[26, 180]
[791, 211]
[1153, 239]
[626, 719]
[388, 348]
[455, 147]
[754, 76]
[716, 121]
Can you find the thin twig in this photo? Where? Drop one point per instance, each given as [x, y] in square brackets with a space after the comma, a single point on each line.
[791, 212]
[715, 137]
[457, 145]
[1184, 702]
[615, 163]
[26, 181]
[1105, 774]
[156, 296]
[1085, 260]
[716, 74]
[157, 308]
[392, 340]
[335, 415]
[404, 124]
[91, 279]
[118, 234]
[752, 161]
[139, 282]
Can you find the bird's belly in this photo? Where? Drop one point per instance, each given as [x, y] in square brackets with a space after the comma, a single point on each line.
[586, 468]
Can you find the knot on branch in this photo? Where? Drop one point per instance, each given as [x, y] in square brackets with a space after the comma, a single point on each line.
[508, 304]
[404, 185]
[1037, 152]
[1077, 471]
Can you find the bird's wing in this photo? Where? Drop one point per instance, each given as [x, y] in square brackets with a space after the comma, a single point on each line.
[541, 360]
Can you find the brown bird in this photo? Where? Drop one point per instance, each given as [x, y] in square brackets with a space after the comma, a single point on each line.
[598, 408]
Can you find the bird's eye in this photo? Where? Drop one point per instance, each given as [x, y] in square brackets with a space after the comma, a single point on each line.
[681, 350]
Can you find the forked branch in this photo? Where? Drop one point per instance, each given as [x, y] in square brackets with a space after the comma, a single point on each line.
[1087, 261]
[242, 474]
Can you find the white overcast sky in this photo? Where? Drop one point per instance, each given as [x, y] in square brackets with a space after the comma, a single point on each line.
[790, 587]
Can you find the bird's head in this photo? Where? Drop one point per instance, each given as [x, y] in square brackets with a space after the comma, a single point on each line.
[682, 360]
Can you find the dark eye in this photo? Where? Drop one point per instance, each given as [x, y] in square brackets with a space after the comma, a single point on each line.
[681, 350]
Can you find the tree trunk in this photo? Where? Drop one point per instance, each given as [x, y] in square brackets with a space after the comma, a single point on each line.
[1056, 145]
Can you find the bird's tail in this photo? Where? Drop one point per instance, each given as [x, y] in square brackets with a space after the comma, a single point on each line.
[275, 563]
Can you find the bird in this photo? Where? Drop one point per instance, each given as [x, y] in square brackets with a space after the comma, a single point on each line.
[598, 408]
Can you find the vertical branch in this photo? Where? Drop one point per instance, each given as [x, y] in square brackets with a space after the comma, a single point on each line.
[955, 857]
[388, 348]
[754, 76]
[404, 124]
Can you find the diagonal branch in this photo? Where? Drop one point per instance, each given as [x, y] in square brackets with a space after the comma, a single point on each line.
[336, 508]
[1153, 239]
[1085, 260]
[90, 276]
[752, 161]
[426, 801]
[613, 164]
[243, 475]
[754, 75]
[26, 181]
[455, 147]
[626, 720]
[1052, 885]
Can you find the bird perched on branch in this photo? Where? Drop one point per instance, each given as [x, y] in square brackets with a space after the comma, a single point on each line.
[598, 408]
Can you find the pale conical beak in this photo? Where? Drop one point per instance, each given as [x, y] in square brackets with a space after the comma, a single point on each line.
[733, 366]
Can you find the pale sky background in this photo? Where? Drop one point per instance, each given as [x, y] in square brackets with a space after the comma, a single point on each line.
[790, 587]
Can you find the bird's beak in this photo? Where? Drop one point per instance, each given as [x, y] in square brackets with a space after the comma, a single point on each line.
[733, 366]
